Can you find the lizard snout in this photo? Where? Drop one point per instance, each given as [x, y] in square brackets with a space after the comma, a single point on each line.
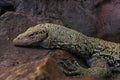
[16, 41]
[19, 41]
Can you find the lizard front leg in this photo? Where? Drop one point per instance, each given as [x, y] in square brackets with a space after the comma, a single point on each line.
[98, 68]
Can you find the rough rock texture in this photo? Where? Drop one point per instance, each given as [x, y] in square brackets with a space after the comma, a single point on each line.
[61, 11]
[109, 21]
[45, 69]
[11, 24]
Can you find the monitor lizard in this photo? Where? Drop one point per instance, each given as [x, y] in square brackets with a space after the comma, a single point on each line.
[102, 55]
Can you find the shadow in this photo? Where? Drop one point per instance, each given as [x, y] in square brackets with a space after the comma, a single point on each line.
[31, 47]
[5, 6]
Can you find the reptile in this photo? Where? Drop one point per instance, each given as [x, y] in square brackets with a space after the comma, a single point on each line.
[102, 56]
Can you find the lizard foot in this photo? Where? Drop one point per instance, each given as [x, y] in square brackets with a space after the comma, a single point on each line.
[69, 64]
[76, 72]
[81, 71]
[71, 68]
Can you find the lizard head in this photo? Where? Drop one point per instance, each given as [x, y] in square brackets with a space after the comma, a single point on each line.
[31, 36]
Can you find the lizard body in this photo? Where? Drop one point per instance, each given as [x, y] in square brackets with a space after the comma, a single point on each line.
[103, 53]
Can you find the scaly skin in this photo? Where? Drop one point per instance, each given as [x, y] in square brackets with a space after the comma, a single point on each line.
[104, 55]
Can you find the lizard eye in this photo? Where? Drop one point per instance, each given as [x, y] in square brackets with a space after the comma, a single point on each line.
[41, 32]
[31, 34]
[36, 33]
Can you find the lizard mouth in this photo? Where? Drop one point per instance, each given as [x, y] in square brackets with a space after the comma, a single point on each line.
[20, 42]
[25, 43]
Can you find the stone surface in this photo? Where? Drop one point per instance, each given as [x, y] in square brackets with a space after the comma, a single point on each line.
[45, 69]
[109, 21]
[78, 15]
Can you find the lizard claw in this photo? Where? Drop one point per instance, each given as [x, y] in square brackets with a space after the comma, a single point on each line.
[71, 73]
[70, 65]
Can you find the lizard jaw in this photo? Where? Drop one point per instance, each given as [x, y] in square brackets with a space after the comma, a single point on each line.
[20, 42]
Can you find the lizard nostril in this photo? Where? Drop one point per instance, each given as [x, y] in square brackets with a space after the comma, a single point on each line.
[18, 38]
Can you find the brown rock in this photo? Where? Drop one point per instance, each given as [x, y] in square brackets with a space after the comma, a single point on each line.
[26, 7]
[109, 21]
[76, 14]
[45, 69]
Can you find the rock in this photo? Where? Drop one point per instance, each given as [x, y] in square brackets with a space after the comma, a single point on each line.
[25, 6]
[109, 21]
[78, 15]
[45, 69]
